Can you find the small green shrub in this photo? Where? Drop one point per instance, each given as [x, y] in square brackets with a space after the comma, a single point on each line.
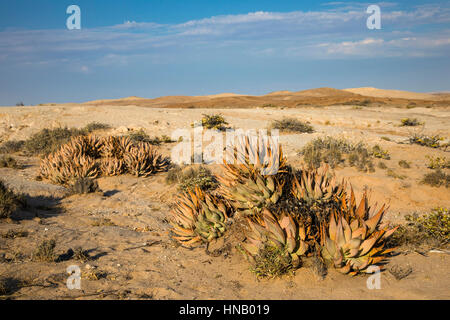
[408, 122]
[9, 201]
[436, 223]
[378, 152]
[386, 138]
[142, 136]
[425, 140]
[215, 121]
[437, 178]
[361, 159]
[428, 230]
[438, 162]
[271, 262]
[192, 177]
[95, 126]
[48, 141]
[329, 150]
[292, 125]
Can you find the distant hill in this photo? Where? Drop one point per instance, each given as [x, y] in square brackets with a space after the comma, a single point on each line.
[382, 93]
[311, 97]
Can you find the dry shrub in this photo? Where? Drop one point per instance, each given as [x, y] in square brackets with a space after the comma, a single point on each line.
[8, 162]
[9, 201]
[423, 232]
[437, 178]
[45, 251]
[192, 177]
[335, 151]
[292, 125]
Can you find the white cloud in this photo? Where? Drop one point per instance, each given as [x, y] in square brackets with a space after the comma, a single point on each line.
[324, 34]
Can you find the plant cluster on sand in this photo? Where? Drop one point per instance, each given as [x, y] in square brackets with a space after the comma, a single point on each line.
[339, 151]
[91, 157]
[287, 216]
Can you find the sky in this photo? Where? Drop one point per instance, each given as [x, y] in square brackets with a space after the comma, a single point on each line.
[152, 48]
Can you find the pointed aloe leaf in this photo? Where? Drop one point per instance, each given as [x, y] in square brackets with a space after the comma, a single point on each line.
[367, 245]
[373, 222]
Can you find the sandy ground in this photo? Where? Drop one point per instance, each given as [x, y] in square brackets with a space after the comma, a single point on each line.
[136, 254]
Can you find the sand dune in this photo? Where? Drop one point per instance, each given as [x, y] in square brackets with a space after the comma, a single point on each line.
[381, 93]
[284, 98]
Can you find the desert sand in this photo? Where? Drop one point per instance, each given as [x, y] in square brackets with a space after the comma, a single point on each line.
[136, 253]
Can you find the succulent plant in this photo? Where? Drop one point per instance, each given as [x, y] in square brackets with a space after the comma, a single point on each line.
[144, 160]
[61, 169]
[253, 195]
[282, 233]
[245, 183]
[82, 145]
[355, 238]
[317, 186]
[112, 166]
[198, 217]
[251, 157]
[115, 147]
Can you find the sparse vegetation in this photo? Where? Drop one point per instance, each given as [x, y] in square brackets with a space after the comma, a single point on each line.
[8, 162]
[190, 178]
[102, 222]
[438, 162]
[93, 275]
[12, 146]
[215, 121]
[437, 178]
[292, 125]
[84, 186]
[271, 262]
[428, 230]
[81, 255]
[408, 122]
[391, 173]
[335, 151]
[48, 141]
[425, 140]
[386, 138]
[13, 234]
[360, 158]
[9, 201]
[45, 251]
[404, 164]
[378, 152]
[142, 136]
[382, 165]
[94, 126]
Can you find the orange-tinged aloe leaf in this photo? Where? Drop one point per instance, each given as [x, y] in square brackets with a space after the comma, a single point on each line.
[373, 222]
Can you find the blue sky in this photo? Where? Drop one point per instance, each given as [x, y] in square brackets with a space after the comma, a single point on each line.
[153, 48]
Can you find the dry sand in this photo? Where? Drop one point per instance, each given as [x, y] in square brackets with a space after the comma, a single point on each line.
[138, 256]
